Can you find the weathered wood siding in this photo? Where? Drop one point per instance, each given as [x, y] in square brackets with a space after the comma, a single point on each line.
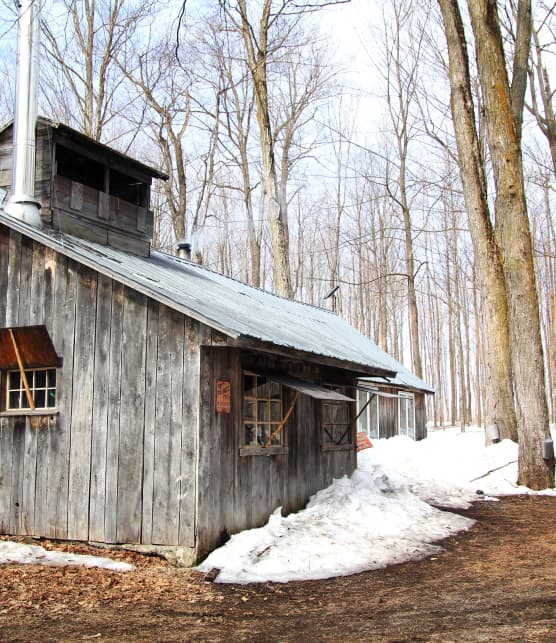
[117, 463]
[388, 414]
[420, 417]
[240, 491]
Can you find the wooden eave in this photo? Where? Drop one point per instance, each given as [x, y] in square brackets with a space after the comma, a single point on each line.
[78, 142]
[284, 352]
[35, 347]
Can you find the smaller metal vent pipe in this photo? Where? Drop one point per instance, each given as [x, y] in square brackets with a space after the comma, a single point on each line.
[183, 249]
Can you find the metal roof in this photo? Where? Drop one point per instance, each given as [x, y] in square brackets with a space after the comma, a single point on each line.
[224, 304]
[404, 377]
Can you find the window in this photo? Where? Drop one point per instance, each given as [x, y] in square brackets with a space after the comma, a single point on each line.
[336, 423]
[406, 415]
[78, 168]
[28, 371]
[367, 408]
[41, 388]
[262, 412]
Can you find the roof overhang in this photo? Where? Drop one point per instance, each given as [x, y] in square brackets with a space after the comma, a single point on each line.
[34, 345]
[316, 391]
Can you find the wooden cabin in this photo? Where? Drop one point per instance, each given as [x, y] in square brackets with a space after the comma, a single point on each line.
[392, 406]
[144, 399]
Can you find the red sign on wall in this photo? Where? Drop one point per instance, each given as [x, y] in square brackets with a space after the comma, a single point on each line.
[223, 396]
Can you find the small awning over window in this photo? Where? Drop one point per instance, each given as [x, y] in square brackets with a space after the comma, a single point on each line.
[34, 344]
[312, 390]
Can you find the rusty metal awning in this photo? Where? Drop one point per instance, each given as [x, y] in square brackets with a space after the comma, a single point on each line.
[312, 390]
[35, 348]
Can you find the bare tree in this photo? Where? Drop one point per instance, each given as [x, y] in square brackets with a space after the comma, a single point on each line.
[511, 246]
[85, 83]
[401, 71]
[266, 33]
[542, 93]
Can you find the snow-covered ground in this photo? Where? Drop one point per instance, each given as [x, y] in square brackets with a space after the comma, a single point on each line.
[383, 514]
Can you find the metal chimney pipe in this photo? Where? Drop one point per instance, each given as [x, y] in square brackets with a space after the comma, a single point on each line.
[184, 250]
[22, 203]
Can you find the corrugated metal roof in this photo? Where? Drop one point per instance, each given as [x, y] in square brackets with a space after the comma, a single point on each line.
[404, 377]
[227, 305]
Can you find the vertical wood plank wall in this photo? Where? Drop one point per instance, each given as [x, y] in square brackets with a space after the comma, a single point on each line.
[117, 463]
[238, 491]
[388, 414]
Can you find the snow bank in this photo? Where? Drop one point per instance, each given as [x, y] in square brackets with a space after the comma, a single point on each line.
[382, 515]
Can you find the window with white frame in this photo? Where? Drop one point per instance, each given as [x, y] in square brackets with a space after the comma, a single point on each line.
[367, 410]
[34, 387]
[28, 371]
[406, 415]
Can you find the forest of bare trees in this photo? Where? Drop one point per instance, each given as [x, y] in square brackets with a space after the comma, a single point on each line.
[368, 146]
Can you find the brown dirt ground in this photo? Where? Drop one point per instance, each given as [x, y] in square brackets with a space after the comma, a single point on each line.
[496, 582]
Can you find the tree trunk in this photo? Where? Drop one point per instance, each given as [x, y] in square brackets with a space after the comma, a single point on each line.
[499, 407]
[257, 52]
[512, 228]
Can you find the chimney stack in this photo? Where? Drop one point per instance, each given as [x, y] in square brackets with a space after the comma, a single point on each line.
[22, 203]
[184, 250]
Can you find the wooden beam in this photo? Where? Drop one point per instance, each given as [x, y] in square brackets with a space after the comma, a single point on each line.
[22, 372]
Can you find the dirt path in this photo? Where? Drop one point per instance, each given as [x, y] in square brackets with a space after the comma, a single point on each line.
[496, 582]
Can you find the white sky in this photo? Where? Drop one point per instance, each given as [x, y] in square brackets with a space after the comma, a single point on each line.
[382, 515]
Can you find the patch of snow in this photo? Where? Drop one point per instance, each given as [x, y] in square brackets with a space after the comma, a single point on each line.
[12, 552]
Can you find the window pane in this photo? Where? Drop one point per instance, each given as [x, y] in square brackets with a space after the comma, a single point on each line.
[250, 436]
[363, 421]
[277, 439]
[51, 399]
[24, 401]
[275, 411]
[14, 380]
[262, 434]
[275, 390]
[248, 410]
[262, 411]
[403, 416]
[40, 379]
[249, 384]
[14, 400]
[410, 414]
[51, 377]
[262, 387]
[40, 398]
[373, 418]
